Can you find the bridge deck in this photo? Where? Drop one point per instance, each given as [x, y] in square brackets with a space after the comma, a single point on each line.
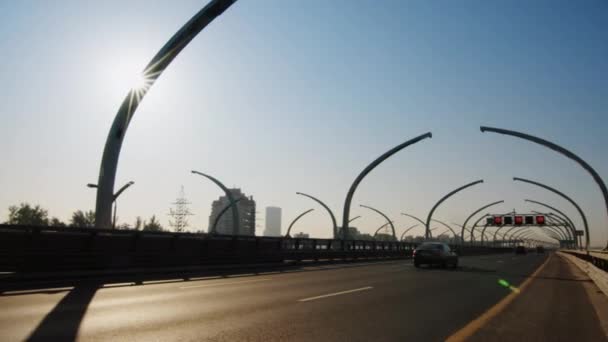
[382, 301]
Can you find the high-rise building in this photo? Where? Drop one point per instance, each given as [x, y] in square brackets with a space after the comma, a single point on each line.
[273, 221]
[246, 208]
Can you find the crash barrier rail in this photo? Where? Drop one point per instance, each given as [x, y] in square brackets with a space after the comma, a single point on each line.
[597, 258]
[48, 249]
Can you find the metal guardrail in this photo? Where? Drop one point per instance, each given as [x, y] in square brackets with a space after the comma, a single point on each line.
[597, 258]
[49, 249]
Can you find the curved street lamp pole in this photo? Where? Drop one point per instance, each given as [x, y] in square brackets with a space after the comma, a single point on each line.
[580, 211]
[484, 227]
[447, 226]
[158, 64]
[415, 218]
[383, 215]
[296, 220]
[596, 177]
[115, 198]
[221, 213]
[496, 233]
[354, 218]
[407, 230]
[556, 221]
[471, 216]
[378, 230]
[236, 220]
[563, 216]
[368, 169]
[331, 214]
[428, 219]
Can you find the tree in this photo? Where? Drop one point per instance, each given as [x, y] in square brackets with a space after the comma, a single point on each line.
[55, 222]
[25, 214]
[138, 223]
[153, 225]
[124, 226]
[82, 219]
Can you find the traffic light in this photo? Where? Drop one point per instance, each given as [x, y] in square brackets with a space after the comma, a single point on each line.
[498, 220]
[530, 220]
[508, 220]
[519, 220]
[540, 220]
[489, 221]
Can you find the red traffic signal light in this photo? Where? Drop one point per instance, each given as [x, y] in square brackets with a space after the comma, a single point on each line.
[498, 220]
[540, 219]
[519, 220]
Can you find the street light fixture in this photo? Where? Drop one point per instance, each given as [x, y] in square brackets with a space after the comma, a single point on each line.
[114, 198]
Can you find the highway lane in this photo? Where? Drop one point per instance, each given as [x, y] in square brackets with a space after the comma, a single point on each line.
[388, 301]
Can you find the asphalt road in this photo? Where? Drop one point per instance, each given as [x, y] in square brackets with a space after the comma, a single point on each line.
[388, 301]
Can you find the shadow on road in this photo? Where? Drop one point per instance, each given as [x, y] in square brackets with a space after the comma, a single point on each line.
[17, 288]
[63, 322]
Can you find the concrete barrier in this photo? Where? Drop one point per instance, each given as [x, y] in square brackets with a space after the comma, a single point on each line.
[599, 276]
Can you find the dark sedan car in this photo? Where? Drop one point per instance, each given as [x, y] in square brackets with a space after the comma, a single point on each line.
[435, 253]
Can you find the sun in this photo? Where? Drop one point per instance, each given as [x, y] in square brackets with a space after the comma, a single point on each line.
[140, 82]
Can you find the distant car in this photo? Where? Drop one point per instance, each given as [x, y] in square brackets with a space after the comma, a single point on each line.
[435, 253]
[540, 249]
[520, 250]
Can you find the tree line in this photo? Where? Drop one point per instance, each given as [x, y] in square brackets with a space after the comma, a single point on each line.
[34, 215]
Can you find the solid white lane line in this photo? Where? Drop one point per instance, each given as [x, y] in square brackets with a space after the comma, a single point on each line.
[336, 294]
[224, 283]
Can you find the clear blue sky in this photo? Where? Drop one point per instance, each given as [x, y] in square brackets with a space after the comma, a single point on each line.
[283, 96]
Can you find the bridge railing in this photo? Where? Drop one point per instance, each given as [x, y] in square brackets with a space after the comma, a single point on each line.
[39, 249]
[597, 258]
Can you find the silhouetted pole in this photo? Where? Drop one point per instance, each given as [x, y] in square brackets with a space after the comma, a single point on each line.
[236, 225]
[464, 225]
[296, 220]
[407, 230]
[564, 216]
[331, 214]
[551, 234]
[596, 177]
[383, 215]
[504, 236]
[580, 211]
[483, 233]
[496, 233]
[115, 198]
[466, 230]
[368, 169]
[354, 218]
[552, 220]
[447, 230]
[221, 213]
[377, 230]
[416, 218]
[109, 160]
[428, 219]
[448, 227]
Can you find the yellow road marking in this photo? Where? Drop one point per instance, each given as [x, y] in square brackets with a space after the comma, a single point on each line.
[472, 327]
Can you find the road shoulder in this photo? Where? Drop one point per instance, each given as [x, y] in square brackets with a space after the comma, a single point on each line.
[553, 306]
